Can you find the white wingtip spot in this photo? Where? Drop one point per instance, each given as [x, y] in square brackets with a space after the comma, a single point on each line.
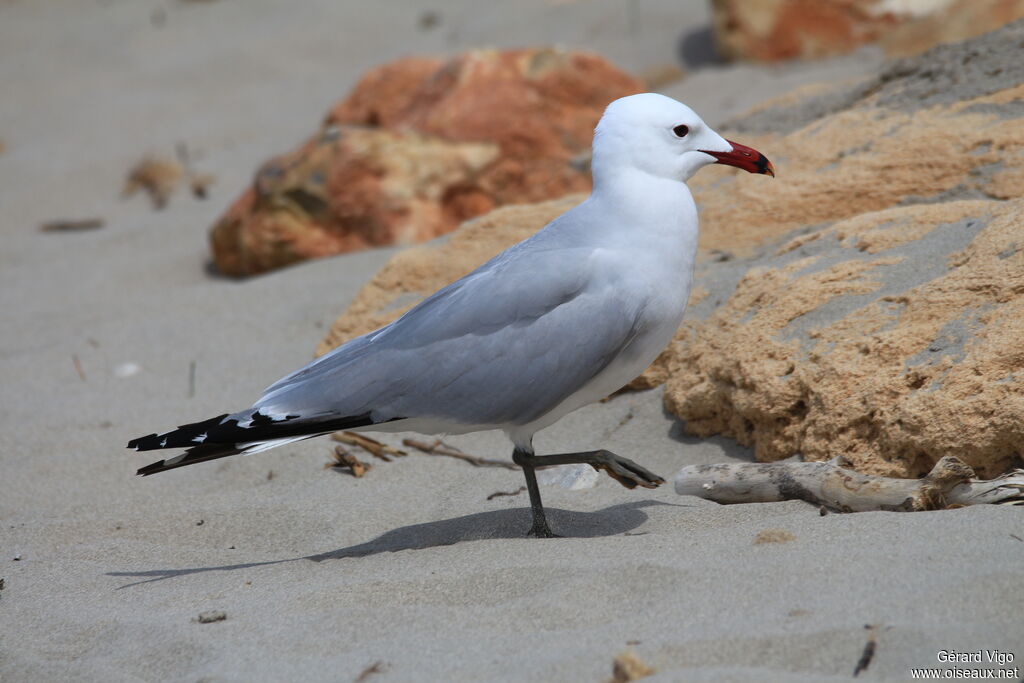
[163, 443]
[199, 439]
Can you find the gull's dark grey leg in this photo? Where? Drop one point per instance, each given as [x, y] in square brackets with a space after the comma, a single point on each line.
[623, 470]
[540, 527]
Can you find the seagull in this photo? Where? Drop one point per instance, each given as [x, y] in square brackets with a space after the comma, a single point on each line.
[554, 323]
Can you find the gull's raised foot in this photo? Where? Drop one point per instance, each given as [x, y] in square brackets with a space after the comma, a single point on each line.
[625, 471]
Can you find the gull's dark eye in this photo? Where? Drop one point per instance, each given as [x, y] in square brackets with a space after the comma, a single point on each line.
[681, 131]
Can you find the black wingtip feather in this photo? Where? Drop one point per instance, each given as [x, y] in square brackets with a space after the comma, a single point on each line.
[193, 455]
[182, 437]
[221, 438]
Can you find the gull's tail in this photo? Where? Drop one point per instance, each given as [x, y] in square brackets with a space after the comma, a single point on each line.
[243, 432]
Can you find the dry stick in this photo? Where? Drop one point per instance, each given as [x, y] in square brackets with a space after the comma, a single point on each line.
[951, 483]
[345, 460]
[371, 446]
[72, 225]
[868, 653]
[440, 448]
[499, 494]
[78, 366]
[378, 667]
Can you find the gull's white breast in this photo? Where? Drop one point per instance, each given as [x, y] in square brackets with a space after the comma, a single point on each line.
[653, 263]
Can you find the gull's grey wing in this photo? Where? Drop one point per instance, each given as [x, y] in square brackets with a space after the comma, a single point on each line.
[505, 344]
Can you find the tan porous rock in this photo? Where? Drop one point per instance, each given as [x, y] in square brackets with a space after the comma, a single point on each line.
[941, 126]
[419, 146]
[882, 322]
[772, 30]
[892, 338]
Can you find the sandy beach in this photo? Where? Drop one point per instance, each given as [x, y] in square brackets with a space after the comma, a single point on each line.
[116, 332]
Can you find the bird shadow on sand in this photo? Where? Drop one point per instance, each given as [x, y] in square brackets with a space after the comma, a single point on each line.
[496, 524]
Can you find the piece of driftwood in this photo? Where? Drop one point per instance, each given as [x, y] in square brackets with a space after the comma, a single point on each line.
[951, 483]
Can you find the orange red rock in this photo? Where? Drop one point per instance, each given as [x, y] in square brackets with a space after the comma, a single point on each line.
[419, 146]
[772, 30]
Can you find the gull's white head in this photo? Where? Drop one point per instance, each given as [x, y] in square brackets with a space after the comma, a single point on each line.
[665, 138]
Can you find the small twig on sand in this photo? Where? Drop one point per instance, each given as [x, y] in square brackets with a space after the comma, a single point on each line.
[78, 367]
[377, 667]
[73, 225]
[951, 483]
[344, 460]
[211, 616]
[371, 446]
[440, 448]
[869, 651]
[499, 494]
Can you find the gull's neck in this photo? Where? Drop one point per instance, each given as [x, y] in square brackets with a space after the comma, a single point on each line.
[646, 203]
